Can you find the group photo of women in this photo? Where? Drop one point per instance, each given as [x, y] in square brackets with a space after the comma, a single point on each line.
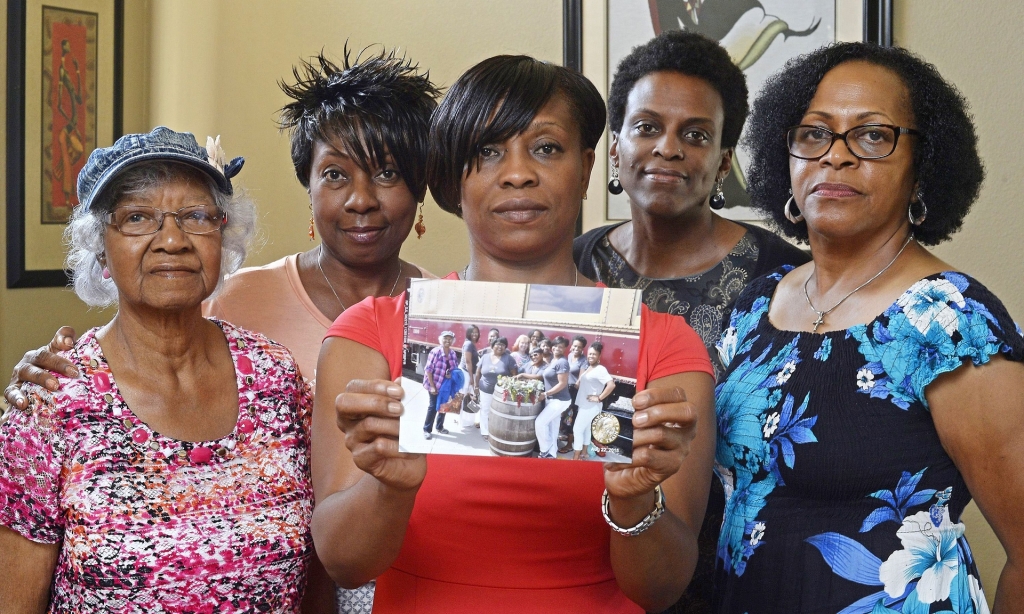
[818, 396]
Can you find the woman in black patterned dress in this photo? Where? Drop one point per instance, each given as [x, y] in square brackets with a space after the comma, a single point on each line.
[676, 110]
[870, 394]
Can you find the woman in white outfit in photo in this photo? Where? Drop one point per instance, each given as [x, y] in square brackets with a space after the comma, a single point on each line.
[556, 397]
[595, 384]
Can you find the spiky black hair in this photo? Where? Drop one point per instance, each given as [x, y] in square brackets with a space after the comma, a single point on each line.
[376, 106]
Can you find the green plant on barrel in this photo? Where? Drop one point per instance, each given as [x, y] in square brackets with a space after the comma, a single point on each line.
[519, 390]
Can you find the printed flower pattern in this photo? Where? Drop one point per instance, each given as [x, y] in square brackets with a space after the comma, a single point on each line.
[148, 523]
[758, 424]
[825, 350]
[929, 555]
[830, 461]
[787, 372]
[929, 331]
[865, 379]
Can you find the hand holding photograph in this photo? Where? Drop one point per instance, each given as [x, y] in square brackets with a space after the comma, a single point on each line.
[554, 379]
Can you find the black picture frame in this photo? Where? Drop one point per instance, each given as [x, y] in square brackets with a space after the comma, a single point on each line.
[572, 54]
[18, 276]
[878, 22]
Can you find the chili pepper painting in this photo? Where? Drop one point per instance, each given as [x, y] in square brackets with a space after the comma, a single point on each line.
[69, 53]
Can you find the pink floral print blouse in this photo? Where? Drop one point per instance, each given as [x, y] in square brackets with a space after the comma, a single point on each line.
[148, 523]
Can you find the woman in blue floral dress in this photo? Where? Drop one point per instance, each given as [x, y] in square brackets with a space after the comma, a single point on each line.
[870, 394]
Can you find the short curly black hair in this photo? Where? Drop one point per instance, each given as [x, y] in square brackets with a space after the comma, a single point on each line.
[946, 162]
[376, 104]
[494, 101]
[690, 54]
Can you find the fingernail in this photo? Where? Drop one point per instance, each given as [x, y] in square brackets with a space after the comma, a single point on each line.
[394, 391]
[51, 384]
[395, 408]
[640, 418]
[71, 372]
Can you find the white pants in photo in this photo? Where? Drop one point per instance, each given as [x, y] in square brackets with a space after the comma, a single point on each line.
[547, 425]
[485, 411]
[581, 428]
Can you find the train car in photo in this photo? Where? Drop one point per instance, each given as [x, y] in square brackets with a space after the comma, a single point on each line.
[611, 316]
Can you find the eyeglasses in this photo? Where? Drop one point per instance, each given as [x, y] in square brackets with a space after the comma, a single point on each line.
[135, 221]
[867, 142]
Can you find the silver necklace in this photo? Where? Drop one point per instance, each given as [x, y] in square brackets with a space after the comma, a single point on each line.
[575, 281]
[821, 314]
[331, 286]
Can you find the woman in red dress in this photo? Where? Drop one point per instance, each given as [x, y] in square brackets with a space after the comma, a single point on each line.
[512, 152]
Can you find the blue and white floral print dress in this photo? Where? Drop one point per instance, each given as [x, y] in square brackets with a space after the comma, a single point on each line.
[840, 497]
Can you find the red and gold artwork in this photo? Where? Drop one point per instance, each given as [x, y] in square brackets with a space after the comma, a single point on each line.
[69, 107]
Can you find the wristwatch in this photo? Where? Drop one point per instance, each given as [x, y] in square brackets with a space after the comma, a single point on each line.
[644, 524]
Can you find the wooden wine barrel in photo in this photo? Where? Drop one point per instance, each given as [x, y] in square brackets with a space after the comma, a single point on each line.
[511, 427]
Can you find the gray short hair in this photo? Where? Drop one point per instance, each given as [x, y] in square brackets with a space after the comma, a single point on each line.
[84, 233]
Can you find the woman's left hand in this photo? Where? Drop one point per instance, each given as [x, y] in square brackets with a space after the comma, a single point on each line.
[663, 426]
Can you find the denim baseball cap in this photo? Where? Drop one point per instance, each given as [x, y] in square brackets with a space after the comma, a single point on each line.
[162, 144]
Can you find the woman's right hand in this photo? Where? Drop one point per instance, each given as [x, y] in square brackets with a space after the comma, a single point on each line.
[35, 367]
[368, 412]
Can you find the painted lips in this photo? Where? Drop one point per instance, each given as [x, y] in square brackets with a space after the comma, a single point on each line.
[520, 211]
[665, 175]
[834, 190]
[364, 234]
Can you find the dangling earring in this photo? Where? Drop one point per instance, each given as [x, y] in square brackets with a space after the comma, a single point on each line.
[799, 217]
[924, 211]
[614, 186]
[102, 259]
[717, 196]
[421, 229]
[312, 232]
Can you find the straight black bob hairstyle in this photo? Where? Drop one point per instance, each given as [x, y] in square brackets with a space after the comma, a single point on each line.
[494, 101]
[946, 163]
[377, 106]
[690, 54]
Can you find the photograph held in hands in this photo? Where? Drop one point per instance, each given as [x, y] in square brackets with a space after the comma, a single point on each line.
[554, 378]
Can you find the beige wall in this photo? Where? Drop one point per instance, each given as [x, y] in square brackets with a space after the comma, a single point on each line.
[979, 47]
[212, 67]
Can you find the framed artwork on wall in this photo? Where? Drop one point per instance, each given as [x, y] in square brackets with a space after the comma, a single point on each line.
[760, 35]
[63, 101]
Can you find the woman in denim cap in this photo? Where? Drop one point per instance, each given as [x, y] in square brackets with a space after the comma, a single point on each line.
[172, 472]
[358, 143]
